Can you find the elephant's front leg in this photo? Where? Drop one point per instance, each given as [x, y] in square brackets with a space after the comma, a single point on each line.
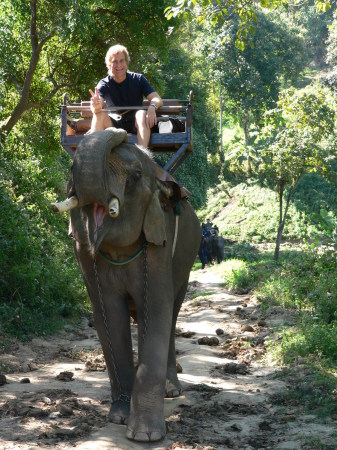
[112, 322]
[146, 421]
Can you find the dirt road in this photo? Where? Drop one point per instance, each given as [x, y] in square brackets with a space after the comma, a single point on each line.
[57, 390]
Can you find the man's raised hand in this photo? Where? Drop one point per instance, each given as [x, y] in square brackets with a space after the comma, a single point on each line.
[96, 101]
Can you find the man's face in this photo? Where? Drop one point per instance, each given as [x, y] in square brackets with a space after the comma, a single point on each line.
[118, 67]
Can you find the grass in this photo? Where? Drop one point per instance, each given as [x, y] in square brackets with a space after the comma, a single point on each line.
[197, 265]
[201, 294]
[235, 274]
[245, 267]
[310, 388]
[247, 211]
[304, 282]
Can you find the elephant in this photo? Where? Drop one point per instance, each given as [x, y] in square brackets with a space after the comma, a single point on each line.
[135, 239]
[218, 248]
[211, 250]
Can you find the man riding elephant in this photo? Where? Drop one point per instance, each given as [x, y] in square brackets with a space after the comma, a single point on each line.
[124, 88]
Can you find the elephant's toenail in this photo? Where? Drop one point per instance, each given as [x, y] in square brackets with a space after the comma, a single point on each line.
[155, 436]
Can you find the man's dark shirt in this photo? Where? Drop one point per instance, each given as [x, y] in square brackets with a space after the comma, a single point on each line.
[128, 93]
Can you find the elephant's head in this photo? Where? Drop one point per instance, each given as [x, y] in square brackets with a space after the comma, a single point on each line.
[114, 194]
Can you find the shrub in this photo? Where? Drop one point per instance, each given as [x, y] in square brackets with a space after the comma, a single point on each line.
[235, 274]
[40, 283]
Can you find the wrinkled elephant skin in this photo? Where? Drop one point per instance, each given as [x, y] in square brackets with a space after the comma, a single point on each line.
[125, 214]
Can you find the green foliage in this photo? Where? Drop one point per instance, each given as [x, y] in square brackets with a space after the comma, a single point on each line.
[288, 286]
[332, 44]
[306, 282]
[251, 78]
[245, 268]
[315, 30]
[235, 274]
[298, 137]
[218, 13]
[316, 291]
[196, 265]
[248, 212]
[332, 53]
[40, 285]
[246, 13]
[64, 48]
[315, 197]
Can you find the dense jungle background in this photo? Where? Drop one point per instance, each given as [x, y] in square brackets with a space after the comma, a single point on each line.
[263, 166]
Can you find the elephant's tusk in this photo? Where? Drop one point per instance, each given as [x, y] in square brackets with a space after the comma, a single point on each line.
[114, 207]
[66, 205]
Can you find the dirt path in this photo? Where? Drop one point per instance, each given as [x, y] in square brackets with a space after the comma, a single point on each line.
[57, 390]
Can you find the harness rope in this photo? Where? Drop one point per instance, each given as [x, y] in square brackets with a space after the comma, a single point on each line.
[122, 263]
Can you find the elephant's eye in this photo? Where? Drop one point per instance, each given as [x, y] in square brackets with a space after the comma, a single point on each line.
[132, 178]
[137, 174]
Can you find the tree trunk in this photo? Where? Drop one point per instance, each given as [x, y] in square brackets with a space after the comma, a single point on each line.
[282, 217]
[280, 228]
[278, 241]
[221, 155]
[244, 121]
[18, 112]
[23, 105]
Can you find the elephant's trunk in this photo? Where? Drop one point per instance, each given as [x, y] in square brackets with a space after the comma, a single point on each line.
[114, 207]
[66, 205]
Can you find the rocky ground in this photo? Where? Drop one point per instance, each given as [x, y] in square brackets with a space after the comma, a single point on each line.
[54, 392]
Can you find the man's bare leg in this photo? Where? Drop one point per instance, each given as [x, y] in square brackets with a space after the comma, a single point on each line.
[83, 125]
[77, 126]
[100, 122]
[143, 131]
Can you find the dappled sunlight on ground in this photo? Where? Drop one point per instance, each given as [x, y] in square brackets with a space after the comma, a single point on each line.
[227, 386]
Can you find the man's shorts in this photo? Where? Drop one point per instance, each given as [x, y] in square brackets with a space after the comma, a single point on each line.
[127, 122]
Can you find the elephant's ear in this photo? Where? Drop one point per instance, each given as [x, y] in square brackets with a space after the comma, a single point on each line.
[154, 221]
[170, 194]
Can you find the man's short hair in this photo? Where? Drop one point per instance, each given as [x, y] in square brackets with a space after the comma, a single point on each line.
[112, 51]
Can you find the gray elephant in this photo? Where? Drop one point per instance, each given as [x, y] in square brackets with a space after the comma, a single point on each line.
[218, 248]
[135, 241]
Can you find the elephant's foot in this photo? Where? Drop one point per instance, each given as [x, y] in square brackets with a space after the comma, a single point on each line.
[119, 412]
[149, 433]
[173, 388]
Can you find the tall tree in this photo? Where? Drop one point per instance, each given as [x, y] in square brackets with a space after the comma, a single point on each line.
[251, 78]
[298, 138]
[224, 11]
[332, 53]
[56, 44]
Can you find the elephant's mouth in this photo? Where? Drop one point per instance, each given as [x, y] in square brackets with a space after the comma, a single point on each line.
[99, 214]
